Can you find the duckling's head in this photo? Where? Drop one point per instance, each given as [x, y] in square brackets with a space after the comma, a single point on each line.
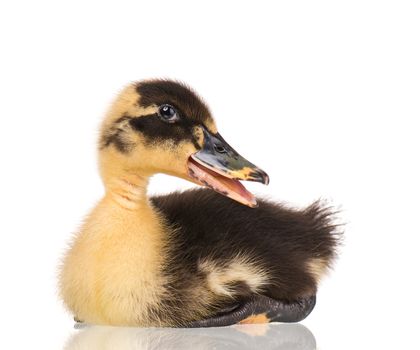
[162, 126]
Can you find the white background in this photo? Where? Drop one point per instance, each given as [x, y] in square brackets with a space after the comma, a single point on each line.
[323, 95]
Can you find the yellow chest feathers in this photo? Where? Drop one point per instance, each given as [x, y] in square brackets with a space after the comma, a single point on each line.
[113, 272]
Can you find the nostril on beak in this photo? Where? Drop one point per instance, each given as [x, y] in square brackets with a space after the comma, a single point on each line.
[219, 149]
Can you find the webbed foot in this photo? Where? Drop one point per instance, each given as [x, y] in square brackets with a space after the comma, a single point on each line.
[261, 309]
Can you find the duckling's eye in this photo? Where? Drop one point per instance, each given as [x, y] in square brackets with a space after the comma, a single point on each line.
[168, 113]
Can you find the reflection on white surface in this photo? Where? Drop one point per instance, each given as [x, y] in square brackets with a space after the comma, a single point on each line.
[255, 336]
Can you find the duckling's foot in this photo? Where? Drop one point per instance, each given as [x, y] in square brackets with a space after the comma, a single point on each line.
[261, 309]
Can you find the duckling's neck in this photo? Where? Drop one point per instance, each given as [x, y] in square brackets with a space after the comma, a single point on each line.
[128, 191]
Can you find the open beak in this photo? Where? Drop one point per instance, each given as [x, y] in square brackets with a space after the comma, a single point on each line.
[218, 166]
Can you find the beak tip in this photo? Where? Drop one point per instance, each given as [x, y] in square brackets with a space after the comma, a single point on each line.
[265, 179]
[261, 176]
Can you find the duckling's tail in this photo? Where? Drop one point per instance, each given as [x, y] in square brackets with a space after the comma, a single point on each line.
[323, 237]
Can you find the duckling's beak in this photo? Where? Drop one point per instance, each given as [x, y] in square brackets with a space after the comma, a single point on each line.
[218, 166]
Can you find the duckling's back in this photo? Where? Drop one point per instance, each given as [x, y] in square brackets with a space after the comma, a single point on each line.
[271, 250]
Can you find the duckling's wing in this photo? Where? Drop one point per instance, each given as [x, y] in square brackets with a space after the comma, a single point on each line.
[261, 264]
[295, 247]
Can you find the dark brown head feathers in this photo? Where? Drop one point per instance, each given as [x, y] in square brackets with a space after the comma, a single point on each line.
[179, 95]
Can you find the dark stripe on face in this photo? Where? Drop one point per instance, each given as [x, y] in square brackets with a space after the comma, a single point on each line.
[155, 130]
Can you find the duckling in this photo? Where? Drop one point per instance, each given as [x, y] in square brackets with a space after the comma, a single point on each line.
[211, 256]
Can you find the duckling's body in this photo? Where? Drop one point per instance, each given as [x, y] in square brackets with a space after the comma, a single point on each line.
[269, 250]
[188, 259]
[169, 262]
[279, 252]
